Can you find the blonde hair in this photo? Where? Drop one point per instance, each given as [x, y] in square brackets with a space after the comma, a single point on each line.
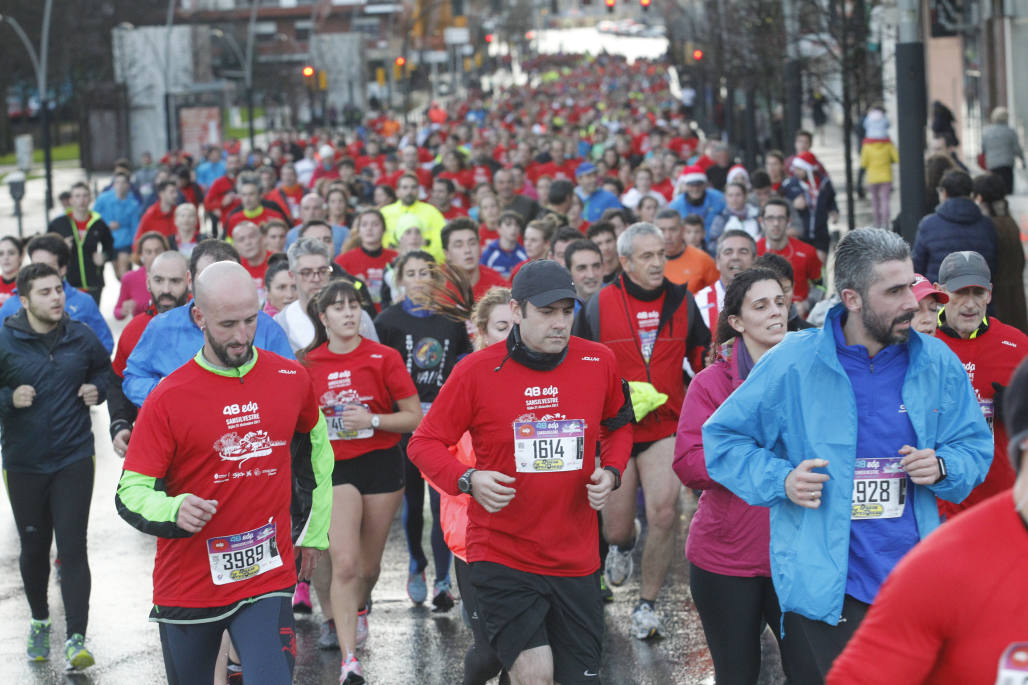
[495, 297]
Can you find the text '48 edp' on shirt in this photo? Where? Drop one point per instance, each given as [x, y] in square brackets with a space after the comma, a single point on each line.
[882, 526]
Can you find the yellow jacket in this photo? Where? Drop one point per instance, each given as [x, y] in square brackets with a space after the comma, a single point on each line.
[878, 157]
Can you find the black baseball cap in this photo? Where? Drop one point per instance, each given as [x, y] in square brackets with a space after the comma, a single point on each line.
[543, 282]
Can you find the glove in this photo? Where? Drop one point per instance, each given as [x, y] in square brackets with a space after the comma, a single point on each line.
[997, 401]
[645, 398]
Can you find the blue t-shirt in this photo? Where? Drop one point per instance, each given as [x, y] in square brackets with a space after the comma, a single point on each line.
[498, 259]
[596, 204]
[883, 427]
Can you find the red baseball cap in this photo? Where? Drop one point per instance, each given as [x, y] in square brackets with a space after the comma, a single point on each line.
[923, 288]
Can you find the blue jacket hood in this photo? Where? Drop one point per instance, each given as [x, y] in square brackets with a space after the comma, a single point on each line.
[960, 210]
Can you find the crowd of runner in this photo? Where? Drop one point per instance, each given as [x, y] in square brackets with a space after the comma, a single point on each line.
[538, 306]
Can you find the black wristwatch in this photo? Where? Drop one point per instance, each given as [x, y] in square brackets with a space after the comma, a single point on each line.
[464, 482]
[942, 470]
[617, 476]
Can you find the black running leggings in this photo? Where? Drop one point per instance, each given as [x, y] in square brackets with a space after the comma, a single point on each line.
[734, 611]
[480, 663]
[46, 505]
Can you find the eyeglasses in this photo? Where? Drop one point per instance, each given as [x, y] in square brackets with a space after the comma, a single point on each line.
[308, 274]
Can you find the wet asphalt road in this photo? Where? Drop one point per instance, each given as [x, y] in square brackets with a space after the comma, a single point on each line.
[408, 644]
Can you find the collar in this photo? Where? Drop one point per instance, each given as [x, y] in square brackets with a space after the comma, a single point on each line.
[640, 293]
[948, 330]
[537, 361]
[237, 372]
[415, 309]
[253, 213]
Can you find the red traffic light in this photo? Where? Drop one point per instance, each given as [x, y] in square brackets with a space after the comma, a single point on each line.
[488, 38]
[697, 54]
[645, 4]
[400, 61]
[308, 71]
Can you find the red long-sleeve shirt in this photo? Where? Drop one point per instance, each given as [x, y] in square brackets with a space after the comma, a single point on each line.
[952, 611]
[549, 527]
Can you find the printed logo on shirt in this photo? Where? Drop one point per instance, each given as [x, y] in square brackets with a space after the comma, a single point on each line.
[428, 353]
[590, 359]
[1007, 342]
[540, 397]
[339, 379]
[903, 409]
[240, 449]
[241, 415]
[288, 372]
[969, 367]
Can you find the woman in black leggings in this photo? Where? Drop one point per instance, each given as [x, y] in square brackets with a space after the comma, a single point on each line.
[727, 547]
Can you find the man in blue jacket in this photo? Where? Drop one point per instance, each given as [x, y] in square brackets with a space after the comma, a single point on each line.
[171, 339]
[849, 433]
[956, 226]
[595, 200]
[51, 249]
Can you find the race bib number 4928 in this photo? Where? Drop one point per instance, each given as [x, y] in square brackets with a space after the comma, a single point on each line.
[549, 446]
[879, 489]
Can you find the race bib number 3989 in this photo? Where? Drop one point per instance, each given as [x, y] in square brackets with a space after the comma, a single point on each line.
[244, 555]
[549, 446]
[879, 488]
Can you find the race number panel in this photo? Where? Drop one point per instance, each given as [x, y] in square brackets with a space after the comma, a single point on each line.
[879, 489]
[244, 555]
[549, 446]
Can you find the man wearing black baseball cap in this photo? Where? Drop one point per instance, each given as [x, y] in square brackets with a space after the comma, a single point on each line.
[535, 406]
[990, 351]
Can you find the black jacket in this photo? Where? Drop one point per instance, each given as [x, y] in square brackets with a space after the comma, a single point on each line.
[82, 271]
[55, 430]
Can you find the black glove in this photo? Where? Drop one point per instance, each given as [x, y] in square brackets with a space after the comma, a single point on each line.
[997, 401]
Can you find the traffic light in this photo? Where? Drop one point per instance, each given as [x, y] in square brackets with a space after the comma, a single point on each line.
[697, 55]
[308, 71]
[398, 65]
[645, 4]
[610, 6]
[488, 38]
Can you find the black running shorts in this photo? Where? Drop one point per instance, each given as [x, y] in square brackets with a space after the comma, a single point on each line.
[523, 610]
[372, 473]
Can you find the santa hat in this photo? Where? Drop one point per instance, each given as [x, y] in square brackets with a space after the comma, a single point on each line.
[692, 174]
[738, 173]
[806, 161]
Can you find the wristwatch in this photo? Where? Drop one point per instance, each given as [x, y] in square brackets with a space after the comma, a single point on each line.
[376, 420]
[464, 482]
[617, 476]
[942, 470]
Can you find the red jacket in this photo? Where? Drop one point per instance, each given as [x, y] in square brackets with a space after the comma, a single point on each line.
[680, 335]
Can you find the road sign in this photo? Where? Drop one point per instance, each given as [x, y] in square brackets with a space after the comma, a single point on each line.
[456, 35]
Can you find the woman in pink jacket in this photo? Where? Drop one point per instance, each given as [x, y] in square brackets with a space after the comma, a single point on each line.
[727, 547]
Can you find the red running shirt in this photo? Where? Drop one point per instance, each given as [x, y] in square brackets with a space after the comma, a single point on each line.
[368, 267]
[548, 528]
[372, 375]
[952, 611]
[224, 438]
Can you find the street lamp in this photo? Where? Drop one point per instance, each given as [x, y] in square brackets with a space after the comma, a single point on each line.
[39, 66]
[247, 73]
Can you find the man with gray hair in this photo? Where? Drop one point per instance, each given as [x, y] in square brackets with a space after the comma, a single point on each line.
[311, 270]
[651, 325]
[736, 251]
[1001, 148]
[849, 434]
